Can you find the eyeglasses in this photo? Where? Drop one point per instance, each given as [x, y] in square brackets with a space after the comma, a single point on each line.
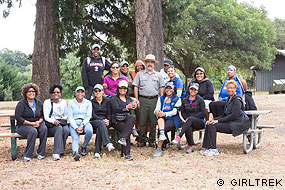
[125, 66]
[115, 67]
[31, 91]
[124, 88]
[96, 91]
[56, 92]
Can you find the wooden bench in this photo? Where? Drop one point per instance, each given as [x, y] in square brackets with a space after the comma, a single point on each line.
[251, 135]
[113, 133]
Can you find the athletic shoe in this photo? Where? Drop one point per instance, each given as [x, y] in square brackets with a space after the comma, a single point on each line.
[27, 159]
[204, 151]
[212, 152]
[176, 141]
[97, 155]
[162, 137]
[56, 157]
[110, 147]
[83, 151]
[76, 156]
[40, 157]
[151, 144]
[122, 141]
[190, 149]
[134, 132]
[129, 158]
[157, 153]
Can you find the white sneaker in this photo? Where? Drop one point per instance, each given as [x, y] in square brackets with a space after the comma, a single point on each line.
[27, 159]
[212, 152]
[110, 147]
[203, 151]
[161, 137]
[56, 157]
[97, 155]
[40, 157]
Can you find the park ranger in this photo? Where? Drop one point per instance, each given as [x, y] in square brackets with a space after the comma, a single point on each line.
[148, 86]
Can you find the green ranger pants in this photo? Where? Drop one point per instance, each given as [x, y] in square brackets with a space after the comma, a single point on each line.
[147, 107]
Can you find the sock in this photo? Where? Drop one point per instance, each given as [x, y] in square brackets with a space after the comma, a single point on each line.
[161, 131]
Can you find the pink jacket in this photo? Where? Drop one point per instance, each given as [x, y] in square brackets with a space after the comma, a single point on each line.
[112, 85]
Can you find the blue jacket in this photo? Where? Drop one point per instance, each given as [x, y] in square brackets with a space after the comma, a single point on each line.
[178, 83]
[176, 117]
[223, 93]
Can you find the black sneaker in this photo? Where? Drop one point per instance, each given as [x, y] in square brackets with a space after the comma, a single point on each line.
[83, 151]
[142, 144]
[76, 156]
[129, 158]
[151, 144]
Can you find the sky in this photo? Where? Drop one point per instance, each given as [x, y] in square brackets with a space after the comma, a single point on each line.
[17, 31]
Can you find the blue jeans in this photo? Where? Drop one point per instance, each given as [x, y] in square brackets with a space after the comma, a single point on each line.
[88, 130]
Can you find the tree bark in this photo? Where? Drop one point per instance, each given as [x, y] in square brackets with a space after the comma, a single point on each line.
[149, 30]
[46, 71]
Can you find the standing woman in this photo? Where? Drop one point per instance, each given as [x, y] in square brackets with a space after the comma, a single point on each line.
[177, 82]
[79, 114]
[193, 110]
[206, 88]
[29, 116]
[112, 80]
[121, 105]
[101, 116]
[55, 115]
[234, 121]
[167, 115]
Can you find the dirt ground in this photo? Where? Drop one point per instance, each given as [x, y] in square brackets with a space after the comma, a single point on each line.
[174, 170]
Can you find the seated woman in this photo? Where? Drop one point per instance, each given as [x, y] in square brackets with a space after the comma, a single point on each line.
[55, 115]
[217, 107]
[101, 116]
[112, 80]
[234, 121]
[29, 117]
[193, 110]
[167, 115]
[122, 120]
[177, 82]
[79, 114]
[206, 88]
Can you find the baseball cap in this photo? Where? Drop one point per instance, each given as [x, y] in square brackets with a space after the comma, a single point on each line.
[79, 88]
[95, 46]
[194, 85]
[124, 63]
[123, 83]
[99, 86]
[167, 62]
[169, 84]
[232, 68]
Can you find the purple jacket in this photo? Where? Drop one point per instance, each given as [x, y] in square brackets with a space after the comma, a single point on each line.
[112, 85]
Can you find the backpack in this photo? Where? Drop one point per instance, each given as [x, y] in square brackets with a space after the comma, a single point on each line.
[249, 101]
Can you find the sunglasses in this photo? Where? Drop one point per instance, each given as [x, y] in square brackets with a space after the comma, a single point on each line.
[124, 88]
[96, 91]
[125, 66]
[115, 67]
[56, 92]
[31, 91]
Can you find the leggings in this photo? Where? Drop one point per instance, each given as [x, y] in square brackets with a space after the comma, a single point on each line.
[217, 108]
[189, 126]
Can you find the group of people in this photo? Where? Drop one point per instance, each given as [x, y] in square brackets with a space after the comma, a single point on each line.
[124, 99]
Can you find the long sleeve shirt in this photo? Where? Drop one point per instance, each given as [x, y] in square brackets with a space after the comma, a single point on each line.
[101, 111]
[79, 111]
[60, 110]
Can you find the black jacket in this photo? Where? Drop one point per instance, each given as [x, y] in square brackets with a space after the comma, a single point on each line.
[92, 73]
[194, 109]
[206, 89]
[118, 106]
[234, 115]
[24, 112]
[101, 111]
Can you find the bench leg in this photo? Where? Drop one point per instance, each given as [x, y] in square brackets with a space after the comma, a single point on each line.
[14, 148]
[244, 144]
[257, 145]
[200, 138]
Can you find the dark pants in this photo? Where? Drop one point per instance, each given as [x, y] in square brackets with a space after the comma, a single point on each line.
[102, 136]
[210, 136]
[146, 110]
[31, 133]
[125, 130]
[60, 134]
[189, 126]
[217, 108]
[88, 95]
[169, 126]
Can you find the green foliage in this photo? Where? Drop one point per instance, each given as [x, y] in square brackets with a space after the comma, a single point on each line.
[15, 58]
[70, 75]
[214, 34]
[279, 26]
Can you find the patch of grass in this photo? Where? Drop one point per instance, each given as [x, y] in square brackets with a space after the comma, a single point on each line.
[21, 182]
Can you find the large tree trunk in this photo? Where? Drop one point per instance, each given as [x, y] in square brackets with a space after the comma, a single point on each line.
[149, 31]
[45, 56]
